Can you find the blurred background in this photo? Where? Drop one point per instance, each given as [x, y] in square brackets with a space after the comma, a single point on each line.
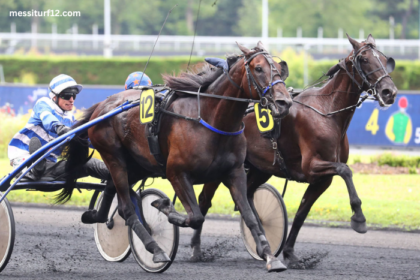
[100, 42]
[103, 41]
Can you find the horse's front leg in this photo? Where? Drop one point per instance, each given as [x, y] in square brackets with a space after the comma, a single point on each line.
[126, 209]
[255, 178]
[358, 220]
[101, 216]
[321, 169]
[236, 182]
[185, 191]
[204, 200]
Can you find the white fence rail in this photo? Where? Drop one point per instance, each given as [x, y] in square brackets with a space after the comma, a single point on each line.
[173, 45]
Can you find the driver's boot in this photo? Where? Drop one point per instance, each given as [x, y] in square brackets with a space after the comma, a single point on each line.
[39, 169]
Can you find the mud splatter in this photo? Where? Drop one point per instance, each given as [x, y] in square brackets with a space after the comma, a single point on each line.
[220, 249]
[309, 261]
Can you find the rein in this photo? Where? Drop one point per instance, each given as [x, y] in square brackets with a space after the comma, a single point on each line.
[361, 100]
[200, 120]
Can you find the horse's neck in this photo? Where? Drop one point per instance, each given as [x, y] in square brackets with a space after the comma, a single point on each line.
[338, 94]
[224, 114]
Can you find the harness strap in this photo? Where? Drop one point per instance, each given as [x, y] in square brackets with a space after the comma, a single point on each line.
[219, 96]
[180, 116]
[272, 84]
[371, 72]
[221, 131]
[343, 66]
[361, 100]
[231, 81]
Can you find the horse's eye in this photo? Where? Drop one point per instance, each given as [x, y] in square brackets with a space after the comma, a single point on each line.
[258, 69]
[365, 60]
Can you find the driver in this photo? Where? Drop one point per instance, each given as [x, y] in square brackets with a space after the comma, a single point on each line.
[52, 117]
[133, 80]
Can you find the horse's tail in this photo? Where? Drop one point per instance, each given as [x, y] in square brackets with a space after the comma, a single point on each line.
[76, 153]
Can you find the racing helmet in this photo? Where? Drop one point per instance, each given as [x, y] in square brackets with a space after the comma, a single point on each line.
[62, 82]
[133, 80]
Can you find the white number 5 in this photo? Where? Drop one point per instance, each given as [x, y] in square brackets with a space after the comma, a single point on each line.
[417, 140]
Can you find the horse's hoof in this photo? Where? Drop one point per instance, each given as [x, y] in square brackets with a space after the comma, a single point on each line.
[163, 205]
[88, 217]
[196, 254]
[275, 265]
[359, 227]
[160, 257]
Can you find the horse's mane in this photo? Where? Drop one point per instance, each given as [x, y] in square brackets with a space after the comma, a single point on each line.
[198, 77]
[194, 79]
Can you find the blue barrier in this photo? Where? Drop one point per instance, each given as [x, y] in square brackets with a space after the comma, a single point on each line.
[398, 126]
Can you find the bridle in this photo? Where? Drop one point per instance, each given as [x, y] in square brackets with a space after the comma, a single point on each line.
[355, 59]
[371, 91]
[250, 77]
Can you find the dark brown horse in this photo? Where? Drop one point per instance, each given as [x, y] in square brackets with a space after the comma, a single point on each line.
[194, 154]
[315, 147]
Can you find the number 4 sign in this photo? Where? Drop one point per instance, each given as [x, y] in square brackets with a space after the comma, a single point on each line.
[147, 106]
[372, 124]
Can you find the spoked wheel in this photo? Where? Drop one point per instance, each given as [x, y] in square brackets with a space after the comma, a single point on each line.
[7, 232]
[273, 215]
[164, 233]
[111, 238]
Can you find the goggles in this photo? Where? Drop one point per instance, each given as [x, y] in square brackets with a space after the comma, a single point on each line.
[67, 95]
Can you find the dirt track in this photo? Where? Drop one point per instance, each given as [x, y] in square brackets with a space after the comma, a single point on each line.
[53, 244]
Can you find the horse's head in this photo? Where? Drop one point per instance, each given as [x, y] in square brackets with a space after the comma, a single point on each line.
[264, 80]
[373, 68]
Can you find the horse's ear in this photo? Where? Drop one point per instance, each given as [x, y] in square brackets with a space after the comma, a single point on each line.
[370, 40]
[261, 46]
[244, 49]
[356, 45]
[284, 70]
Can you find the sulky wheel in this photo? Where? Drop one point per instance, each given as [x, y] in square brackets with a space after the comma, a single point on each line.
[165, 234]
[7, 232]
[111, 237]
[273, 215]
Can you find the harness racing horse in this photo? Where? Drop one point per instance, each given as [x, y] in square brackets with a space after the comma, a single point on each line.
[314, 145]
[194, 153]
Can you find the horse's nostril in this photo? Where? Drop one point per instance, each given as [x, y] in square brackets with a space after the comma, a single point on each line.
[281, 102]
[386, 92]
